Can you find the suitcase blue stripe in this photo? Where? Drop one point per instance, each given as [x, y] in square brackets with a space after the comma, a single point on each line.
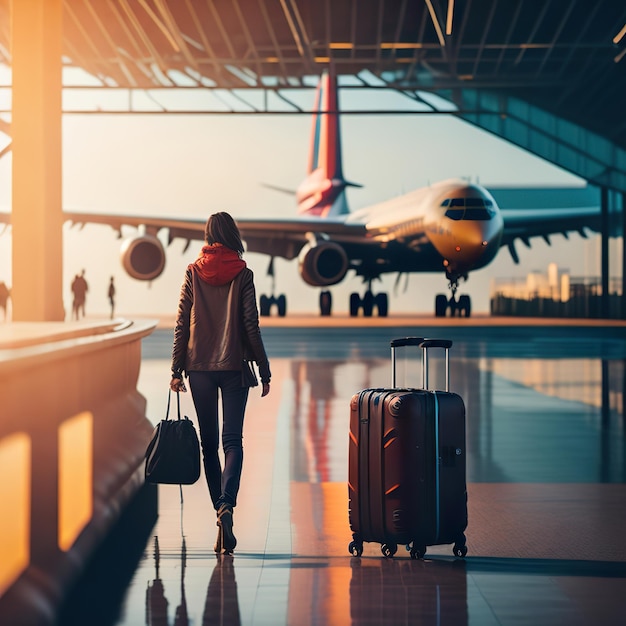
[437, 469]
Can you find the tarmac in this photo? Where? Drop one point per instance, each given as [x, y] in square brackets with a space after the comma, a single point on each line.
[546, 463]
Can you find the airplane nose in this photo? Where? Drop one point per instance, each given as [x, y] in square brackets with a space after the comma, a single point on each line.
[474, 235]
[476, 242]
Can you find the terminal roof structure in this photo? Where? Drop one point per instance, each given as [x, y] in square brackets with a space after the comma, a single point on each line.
[549, 76]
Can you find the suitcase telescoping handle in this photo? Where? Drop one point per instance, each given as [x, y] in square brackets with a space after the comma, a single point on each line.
[399, 343]
[446, 344]
[424, 344]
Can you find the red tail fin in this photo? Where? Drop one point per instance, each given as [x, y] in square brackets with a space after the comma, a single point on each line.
[322, 191]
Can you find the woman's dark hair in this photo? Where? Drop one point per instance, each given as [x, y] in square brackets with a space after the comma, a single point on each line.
[221, 228]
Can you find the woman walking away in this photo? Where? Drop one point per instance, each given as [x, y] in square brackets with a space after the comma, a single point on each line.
[216, 333]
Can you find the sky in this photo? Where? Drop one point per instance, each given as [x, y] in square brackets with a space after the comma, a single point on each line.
[195, 165]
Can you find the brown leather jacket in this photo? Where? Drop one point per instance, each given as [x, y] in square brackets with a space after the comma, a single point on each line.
[217, 326]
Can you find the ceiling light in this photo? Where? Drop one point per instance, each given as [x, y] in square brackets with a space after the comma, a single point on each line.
[620, 35]
[400, 45]
[450, 14]
[433, 17]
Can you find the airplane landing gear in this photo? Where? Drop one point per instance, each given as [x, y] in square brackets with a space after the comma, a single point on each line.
[368, 302]
[461, 307]
[267, 302]
[326, 303]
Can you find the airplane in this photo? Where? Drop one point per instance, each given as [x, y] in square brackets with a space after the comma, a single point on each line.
[452, 226]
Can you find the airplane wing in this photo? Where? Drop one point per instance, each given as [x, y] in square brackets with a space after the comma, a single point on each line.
[529, 212]
[286, 237]
[190, 229]
[539, 223]
[275, 237]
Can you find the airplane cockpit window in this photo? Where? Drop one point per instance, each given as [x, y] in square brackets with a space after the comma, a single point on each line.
[455, 214]
[469, 208]
[478, 214]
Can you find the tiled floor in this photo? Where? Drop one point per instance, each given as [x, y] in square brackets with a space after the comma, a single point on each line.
[547, 499]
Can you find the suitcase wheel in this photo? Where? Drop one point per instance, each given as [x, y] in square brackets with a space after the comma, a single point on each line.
[418, 552]
[389, 549]
[355, 548]
[459, 550]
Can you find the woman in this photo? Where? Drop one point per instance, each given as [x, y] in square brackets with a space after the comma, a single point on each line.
[216, 331]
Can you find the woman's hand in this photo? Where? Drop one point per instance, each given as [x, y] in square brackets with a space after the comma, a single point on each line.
[266, 389]
[177, 384]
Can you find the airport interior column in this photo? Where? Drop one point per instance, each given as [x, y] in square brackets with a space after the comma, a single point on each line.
[37, 219]
[623, 215]
[604, 255]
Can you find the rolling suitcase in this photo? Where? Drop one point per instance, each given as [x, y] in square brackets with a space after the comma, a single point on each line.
[406, 474]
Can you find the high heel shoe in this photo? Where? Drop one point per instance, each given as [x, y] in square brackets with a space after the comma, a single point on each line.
[226, 539]
[218, 542]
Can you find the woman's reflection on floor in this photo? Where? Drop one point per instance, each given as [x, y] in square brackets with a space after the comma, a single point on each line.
[156, 601]
[222, 605]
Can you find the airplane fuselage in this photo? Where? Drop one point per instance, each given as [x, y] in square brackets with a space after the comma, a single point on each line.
[451, 226]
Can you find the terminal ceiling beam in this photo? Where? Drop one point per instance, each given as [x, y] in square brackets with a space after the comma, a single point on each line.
[562, 59]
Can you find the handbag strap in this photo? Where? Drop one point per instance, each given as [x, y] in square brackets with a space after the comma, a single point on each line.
[167, 416]
[169, 397]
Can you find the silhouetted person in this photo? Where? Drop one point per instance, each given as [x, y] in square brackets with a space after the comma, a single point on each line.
[5, 294]
[111, 294]
[79, 289]
[74, 302]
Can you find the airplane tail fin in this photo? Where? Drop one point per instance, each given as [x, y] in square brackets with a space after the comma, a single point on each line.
[323, 190]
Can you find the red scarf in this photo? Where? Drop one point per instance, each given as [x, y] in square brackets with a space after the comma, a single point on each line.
[218, 265]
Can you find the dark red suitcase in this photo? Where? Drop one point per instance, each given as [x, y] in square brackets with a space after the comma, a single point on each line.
[406, 475]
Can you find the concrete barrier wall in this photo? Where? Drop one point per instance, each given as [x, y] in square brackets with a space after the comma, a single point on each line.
[73, 433]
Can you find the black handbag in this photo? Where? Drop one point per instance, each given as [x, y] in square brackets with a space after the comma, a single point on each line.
[173, 454]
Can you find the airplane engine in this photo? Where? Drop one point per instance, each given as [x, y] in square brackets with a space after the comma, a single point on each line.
[323, 263]
[143, 257]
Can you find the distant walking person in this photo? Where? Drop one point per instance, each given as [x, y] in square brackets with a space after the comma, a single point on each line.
[5, 294]
[79, 289]
[111, 294]
[216, 333]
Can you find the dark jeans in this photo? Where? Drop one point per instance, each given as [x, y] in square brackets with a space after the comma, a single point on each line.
[205, 388]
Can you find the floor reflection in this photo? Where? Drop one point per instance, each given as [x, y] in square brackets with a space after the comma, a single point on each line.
[157, 603]
[394, 591]
[528, 420]
[546, 472]
[222, 603]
